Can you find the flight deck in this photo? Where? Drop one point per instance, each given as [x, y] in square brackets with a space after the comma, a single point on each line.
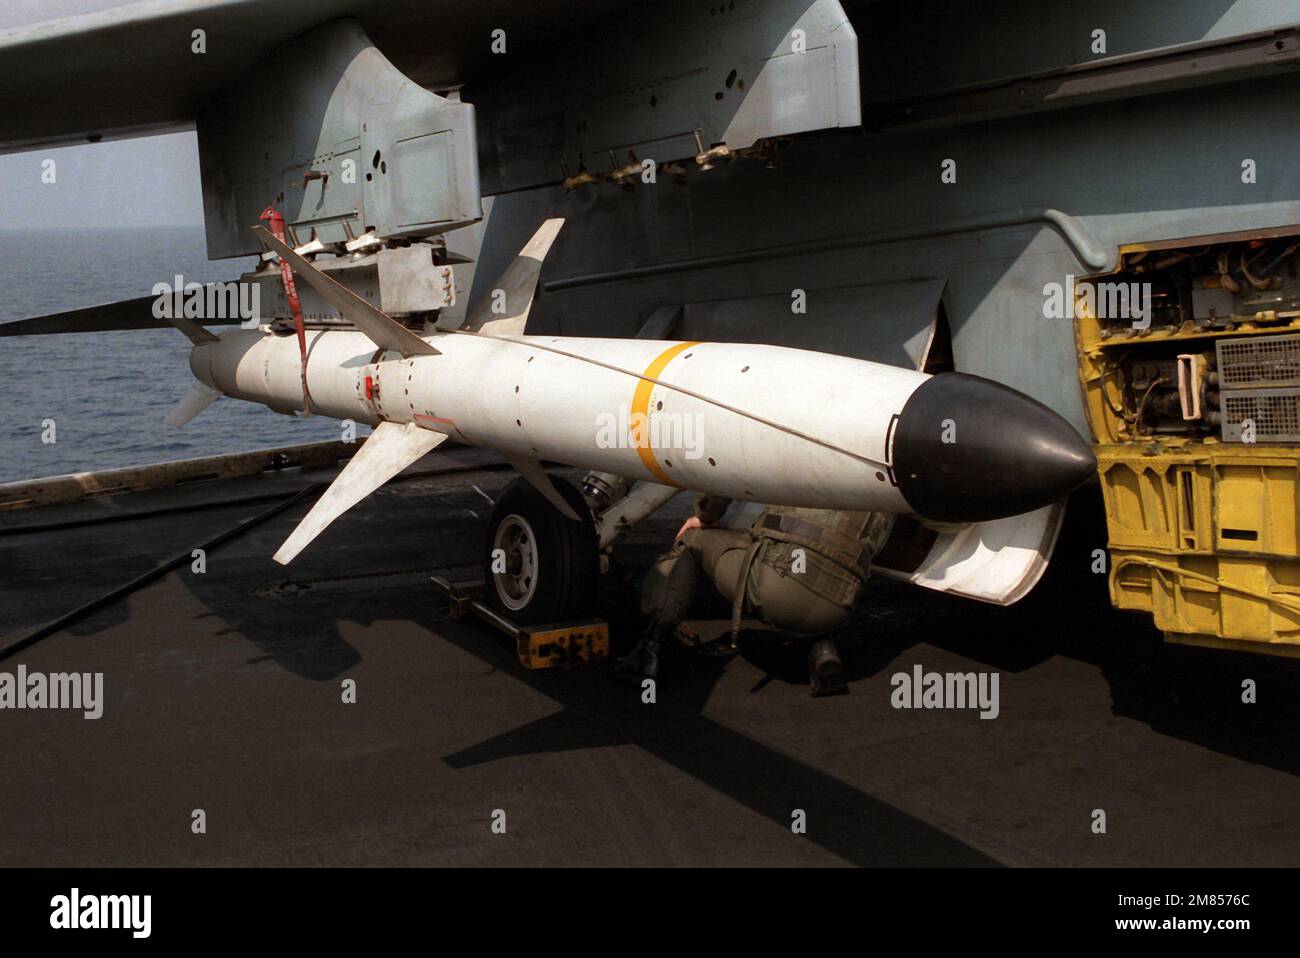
[225, 691]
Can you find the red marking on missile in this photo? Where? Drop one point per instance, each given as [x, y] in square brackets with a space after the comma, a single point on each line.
[426, 418]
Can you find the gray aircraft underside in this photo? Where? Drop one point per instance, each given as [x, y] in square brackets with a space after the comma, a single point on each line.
[1061, 154]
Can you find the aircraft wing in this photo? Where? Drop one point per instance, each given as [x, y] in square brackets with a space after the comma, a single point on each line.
[134, 69]
[347, 116]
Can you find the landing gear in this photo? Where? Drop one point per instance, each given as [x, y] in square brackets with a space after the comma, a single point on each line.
[540, 566]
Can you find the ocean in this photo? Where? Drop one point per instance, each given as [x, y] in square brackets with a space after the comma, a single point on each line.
[107, 393]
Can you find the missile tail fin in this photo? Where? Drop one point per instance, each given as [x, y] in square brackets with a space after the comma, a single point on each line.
[384, 331]
[532, 470]
[504, 311]
[192, 330]
[199, 398]
[389, 449]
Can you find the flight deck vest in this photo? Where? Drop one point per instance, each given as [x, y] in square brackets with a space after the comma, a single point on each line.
[828, 552]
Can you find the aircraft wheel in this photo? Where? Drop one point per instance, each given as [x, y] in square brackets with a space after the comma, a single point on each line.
[540, 565]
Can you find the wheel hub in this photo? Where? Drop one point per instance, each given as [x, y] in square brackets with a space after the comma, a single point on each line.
[517, 542]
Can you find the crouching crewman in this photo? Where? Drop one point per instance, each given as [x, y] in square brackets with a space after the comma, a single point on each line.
[801, 571]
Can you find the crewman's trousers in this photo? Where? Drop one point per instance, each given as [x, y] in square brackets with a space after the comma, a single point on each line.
[780, 600]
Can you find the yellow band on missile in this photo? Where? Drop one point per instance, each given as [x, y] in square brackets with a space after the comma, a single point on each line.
[640, 417]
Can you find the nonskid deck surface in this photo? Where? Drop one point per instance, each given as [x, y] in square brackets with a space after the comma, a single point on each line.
[223, 692]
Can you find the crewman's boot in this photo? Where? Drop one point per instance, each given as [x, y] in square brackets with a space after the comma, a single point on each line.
[643, 661]
[825, 670]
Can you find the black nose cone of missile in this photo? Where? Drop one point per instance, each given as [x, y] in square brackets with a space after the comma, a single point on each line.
[967, 449]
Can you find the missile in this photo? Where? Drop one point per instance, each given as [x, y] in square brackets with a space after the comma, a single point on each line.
[744, 421]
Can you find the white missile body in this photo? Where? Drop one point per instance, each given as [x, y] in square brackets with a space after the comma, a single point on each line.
[752, 422]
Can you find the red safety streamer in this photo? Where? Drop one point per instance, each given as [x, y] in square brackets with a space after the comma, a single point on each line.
[276, 220]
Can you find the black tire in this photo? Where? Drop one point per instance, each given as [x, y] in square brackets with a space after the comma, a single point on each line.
[536, 537]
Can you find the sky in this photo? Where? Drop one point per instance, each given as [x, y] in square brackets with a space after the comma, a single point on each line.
[147, 181]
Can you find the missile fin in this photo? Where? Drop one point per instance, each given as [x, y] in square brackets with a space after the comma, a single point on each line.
[661, 324]
[516, 286]
[532, 470]
[199, 398]
[390, 449]
[192, 330]
[384, 331]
